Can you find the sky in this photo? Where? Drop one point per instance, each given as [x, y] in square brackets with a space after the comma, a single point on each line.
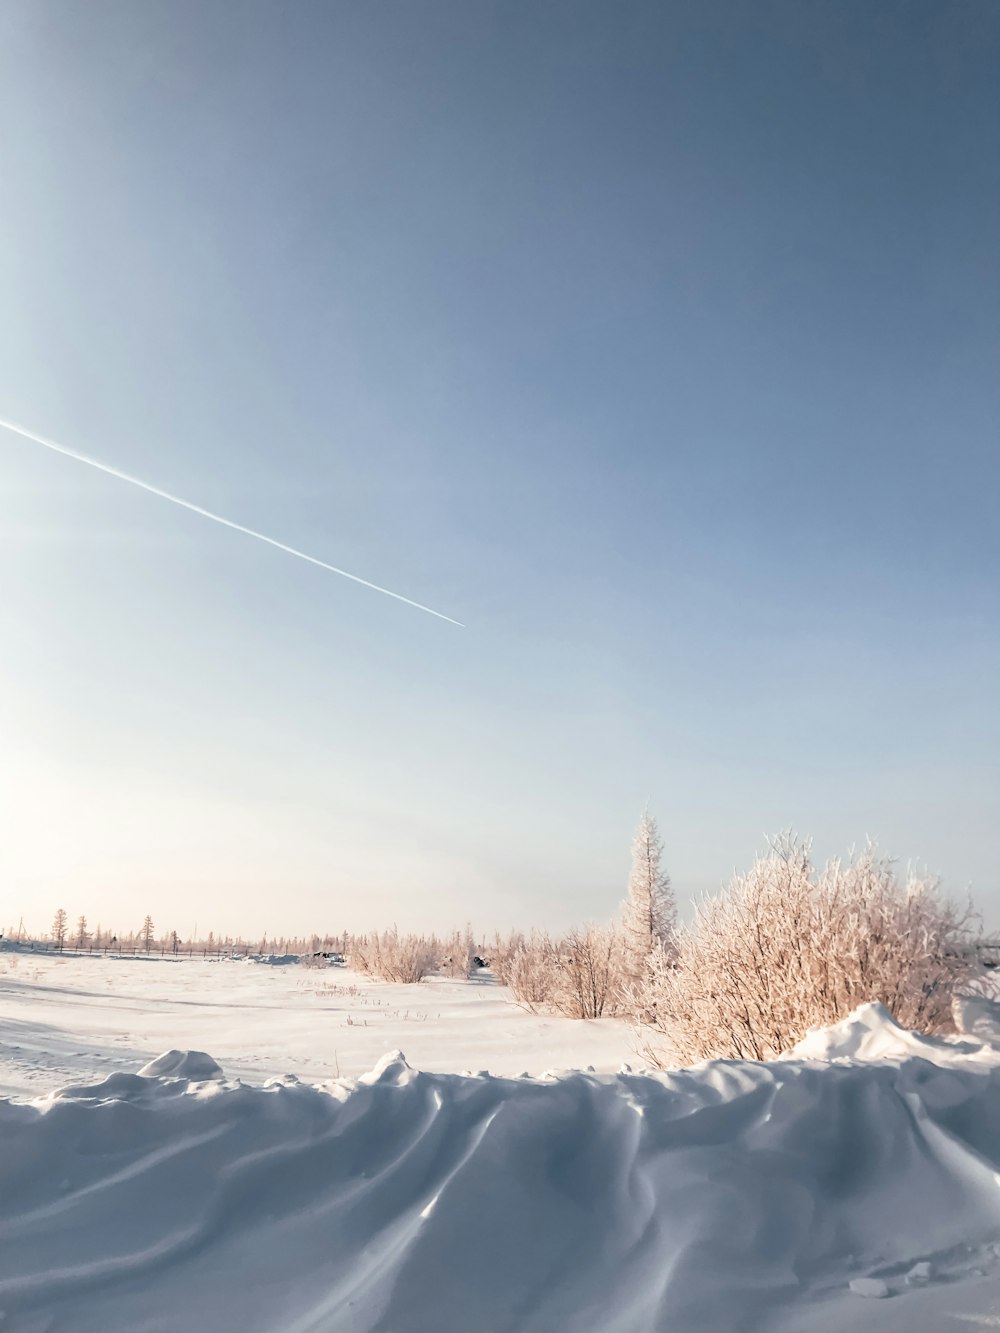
[656, 343]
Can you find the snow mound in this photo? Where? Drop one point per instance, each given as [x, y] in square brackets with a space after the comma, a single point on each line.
[871, 1033]
[978, 1016]
[726, 1198]
[391, 1069]
[195, 1066]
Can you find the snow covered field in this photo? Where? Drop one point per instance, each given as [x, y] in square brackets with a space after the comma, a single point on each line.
[852, 1186]
[63, 1019]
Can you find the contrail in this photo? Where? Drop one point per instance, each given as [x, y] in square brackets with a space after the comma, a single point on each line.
[217, 518]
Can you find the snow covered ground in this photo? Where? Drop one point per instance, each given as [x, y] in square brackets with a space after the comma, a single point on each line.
[854, 1185]
[63, 1019]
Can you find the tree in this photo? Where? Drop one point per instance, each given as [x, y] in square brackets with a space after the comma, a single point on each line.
[59, 927]
[82, 933]
[649, 919]
[175, 943]
[147, 933]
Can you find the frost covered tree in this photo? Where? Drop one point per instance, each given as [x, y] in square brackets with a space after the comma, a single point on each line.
[147, 933]
[82, 933]
[59, 928]
[649, 919]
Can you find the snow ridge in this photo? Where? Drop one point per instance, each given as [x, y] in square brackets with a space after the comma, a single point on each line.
[730, 1196]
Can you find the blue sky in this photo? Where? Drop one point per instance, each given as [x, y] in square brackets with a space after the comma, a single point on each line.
[655, 342]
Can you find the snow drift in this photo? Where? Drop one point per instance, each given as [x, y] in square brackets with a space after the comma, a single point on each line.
[730, 1196]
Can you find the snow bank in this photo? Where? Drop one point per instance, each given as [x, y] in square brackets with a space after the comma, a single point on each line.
[270, 959]
[871, 1033]
[978, 1016]
[726, 1197]
[195, 1066]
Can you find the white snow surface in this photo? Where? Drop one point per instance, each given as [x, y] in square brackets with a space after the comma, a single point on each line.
[871, 1033]
[64, 1019]
[730, 1196]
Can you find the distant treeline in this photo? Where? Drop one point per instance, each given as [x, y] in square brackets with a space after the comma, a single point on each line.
[64, 937]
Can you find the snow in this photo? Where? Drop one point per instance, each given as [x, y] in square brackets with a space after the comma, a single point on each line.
[71, 1018]
[978, 1016]
[728, 1197]
[921, 1272]
[872, 1287]
[871, 1033]
[193, 1065]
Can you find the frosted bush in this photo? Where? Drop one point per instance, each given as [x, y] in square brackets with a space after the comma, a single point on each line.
[313, 960]
[458, 953]
[786, 948]
[390, 956]
[501, 955]
[530, 971]
[579, 976]
[589, 973]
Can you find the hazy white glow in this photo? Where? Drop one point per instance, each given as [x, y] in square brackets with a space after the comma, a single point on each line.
[217, 518]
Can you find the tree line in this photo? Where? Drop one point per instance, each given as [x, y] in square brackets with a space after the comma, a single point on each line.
[79, 937]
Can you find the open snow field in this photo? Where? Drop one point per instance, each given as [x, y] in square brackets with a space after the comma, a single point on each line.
[854, 1185]
[63, 1019]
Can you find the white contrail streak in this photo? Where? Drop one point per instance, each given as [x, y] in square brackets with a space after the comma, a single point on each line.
[217, 518]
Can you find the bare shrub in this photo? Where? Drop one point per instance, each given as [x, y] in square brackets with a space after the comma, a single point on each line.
[314, 960]
[501, 955]
[390, 956]
[784, 949]
[579, 975]
[589, 972]
[530, 970]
